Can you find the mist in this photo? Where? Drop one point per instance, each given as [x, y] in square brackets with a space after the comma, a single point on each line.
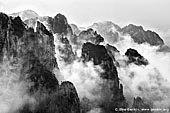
[151, 82]
[13, 90]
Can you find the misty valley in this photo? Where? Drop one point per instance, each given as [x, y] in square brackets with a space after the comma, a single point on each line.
[48, 65]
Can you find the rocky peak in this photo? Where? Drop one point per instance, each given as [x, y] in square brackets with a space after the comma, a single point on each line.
[135, 57]
[133, 27]
[108, 30]
[105, 25]
[68, 98]
[35, 52]
[139, 35]
[12, 29]
[90, 35]
[3, 30]
[3, 21]
[18, 26]
[21, 43]
[99, 55]
[60, 24]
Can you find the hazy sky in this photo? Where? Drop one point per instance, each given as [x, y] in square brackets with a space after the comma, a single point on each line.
[150, 13]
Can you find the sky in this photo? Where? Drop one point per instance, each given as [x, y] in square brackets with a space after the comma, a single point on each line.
[149, 13]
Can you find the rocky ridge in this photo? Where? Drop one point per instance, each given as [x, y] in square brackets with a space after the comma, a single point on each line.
[35, 50]
[36, 53]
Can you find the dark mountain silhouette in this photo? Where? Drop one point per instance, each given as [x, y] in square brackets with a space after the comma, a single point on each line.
[135, 57]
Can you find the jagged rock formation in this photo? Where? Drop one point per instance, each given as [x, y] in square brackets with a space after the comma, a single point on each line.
[139, 35]
[98, 54]
[140, 106]
[11, 31]
[41, 45]
[3, 32]
[46, 20]
[108, 30]
[35, 51]
[135, 57]
[90, 36]
[60, 24]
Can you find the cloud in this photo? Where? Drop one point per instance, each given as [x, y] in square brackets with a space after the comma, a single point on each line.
[166, 36]
[152, 82]
[85, 77]
[13, 94]
[96, 110]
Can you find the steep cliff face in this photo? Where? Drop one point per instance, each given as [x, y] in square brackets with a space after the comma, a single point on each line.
[35, 52]
[3, 32]
[139, 35]
[135, 57]
[39, 61]
[68, 98]
[63, 32]
[112, 51]
[98, 54]
[11, 31]
[41, 45]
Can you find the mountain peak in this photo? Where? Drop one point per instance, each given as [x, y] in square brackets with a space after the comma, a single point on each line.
[26, 14]
[105, 25]
[139, 35]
